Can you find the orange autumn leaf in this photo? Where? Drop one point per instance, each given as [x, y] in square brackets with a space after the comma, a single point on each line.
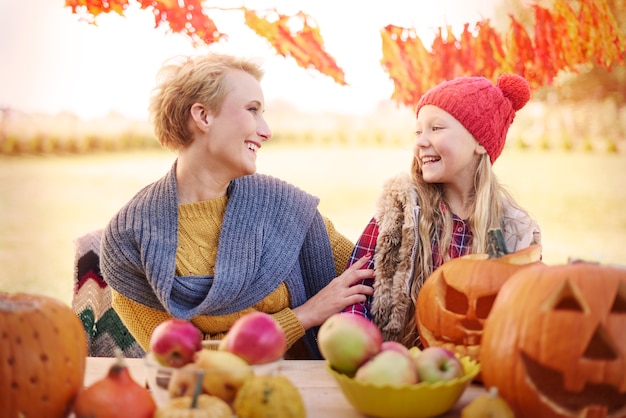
[547, 45]
[414, 69]
[520, 54]
[468, 56]
[305, 44]
[567, 35]
[92, 8]
[601, 35]
[567, 25]
[447, 53]
[407, 62]
[489, 51]
[184, 16]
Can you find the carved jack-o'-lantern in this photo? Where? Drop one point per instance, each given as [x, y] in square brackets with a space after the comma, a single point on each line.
[456, 299]
[555, 342]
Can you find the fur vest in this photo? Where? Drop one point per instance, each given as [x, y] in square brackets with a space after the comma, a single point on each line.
[397, 211]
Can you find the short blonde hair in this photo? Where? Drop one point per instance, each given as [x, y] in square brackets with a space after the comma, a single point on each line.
[184, 81]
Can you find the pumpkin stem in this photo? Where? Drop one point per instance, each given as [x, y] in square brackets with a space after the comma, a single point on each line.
[575, 260]
[120, 363]
[197, 390]
[495, 243]
[493, 391]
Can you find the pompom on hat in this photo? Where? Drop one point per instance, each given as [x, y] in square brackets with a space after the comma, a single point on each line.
[485, 110]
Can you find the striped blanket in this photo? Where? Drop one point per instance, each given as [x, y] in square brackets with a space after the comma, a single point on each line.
[92, 303]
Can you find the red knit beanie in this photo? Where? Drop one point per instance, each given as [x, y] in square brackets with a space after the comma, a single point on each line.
[485, 110]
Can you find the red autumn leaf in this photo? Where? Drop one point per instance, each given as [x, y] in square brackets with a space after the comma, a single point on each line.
[547, 63]
[467, 55]
[448, 53]
[601, 35]
[411, 66]
[305, 45]
[589, 35]
[566, 24]
[489, 51]
[520, 55]
[184, 16]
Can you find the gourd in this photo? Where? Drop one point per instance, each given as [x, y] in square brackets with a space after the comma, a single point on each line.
[269, 396]
[488, 405]
[555, 345]
[207, 406]
[115, 395]
[456, 298]
[43, 352]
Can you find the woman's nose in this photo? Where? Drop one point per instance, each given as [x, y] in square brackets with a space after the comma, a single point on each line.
[264, 130]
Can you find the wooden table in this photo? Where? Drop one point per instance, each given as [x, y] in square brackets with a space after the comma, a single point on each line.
[322, 396]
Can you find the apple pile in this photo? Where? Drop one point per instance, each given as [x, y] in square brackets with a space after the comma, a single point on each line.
[254, 339]
[354, 346]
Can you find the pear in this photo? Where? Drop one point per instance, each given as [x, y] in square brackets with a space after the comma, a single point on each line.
[488, 404]
[224, 373]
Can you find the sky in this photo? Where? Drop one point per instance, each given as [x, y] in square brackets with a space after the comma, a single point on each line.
[51, 61]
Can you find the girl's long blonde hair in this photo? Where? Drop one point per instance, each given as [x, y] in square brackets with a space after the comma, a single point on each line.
[488, 201]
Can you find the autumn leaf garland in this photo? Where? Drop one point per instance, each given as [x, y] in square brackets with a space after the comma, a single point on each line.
[564, 37]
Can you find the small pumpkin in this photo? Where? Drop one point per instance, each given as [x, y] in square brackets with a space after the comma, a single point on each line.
[207, 406]
[269, 396]
[43, 352]
[488, 405]
[555, 342]
[456, 298]
[115, 395]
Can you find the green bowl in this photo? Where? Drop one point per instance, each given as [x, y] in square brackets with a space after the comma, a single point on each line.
[421, 400]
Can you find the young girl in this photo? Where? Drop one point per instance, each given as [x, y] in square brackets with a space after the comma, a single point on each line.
[446, 206]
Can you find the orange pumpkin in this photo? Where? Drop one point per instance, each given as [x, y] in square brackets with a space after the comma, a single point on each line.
[555, 342]
[456, 298]
[43, 351]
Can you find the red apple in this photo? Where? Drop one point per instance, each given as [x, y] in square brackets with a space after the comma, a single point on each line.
[436, 364]
[389, 367]
[347, 341]
[394, 345]
[174, 342]
[257, 338]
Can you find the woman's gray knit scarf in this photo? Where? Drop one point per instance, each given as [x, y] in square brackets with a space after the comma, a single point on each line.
[272, 232]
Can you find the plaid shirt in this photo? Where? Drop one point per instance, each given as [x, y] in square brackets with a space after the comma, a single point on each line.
[366, 244]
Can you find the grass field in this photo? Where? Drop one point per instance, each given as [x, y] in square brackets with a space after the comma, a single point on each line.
[579, 199]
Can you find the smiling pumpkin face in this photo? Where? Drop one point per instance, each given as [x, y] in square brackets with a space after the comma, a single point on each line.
[457, 298]
[555, 342]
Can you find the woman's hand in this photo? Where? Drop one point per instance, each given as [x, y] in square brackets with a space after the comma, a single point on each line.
[339, 293]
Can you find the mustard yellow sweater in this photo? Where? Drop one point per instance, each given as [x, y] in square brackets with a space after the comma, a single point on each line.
[198, 235]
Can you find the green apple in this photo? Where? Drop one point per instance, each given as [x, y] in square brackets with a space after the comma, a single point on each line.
[389, 367]
[347, 341]
[435, 364]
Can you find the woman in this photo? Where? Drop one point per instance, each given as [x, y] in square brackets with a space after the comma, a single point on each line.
[445, 207]
[212, 240]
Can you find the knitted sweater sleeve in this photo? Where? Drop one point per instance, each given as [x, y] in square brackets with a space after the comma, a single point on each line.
[140, 320]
